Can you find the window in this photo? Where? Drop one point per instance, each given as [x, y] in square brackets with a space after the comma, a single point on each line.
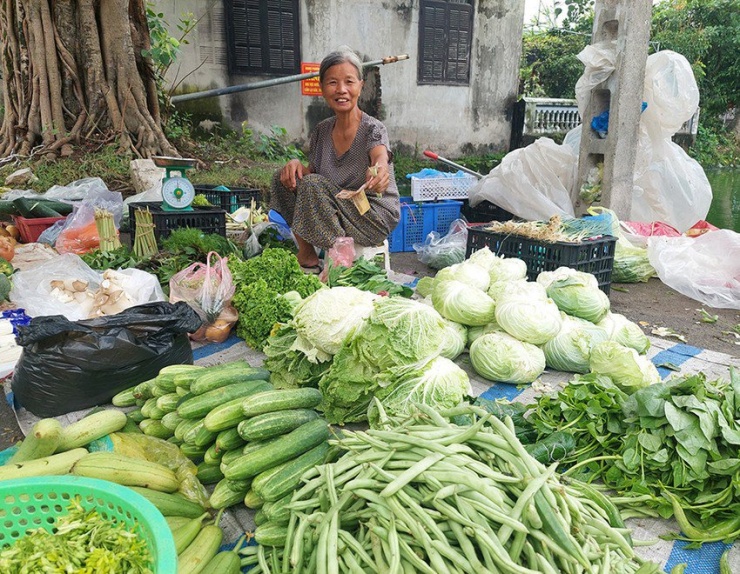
[263, 36]
[445, 37]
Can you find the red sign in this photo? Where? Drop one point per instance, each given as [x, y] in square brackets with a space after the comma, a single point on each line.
[310, 87]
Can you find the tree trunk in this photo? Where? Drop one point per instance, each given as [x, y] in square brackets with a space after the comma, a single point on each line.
[72, 72]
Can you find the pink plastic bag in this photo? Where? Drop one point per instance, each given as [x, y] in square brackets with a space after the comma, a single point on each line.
[208, 288]
[341, 253]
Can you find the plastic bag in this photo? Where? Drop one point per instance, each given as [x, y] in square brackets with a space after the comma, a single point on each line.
[33, 288]
[69, 366]
[208, 288]
[342, 253]
[440, 251]
[705, 268]
[532, 183]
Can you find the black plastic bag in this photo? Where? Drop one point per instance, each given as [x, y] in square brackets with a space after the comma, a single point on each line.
[72, 365]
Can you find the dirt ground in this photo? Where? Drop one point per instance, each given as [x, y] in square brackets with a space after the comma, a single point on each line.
[652, 305]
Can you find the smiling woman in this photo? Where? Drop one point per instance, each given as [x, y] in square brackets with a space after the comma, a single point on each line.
[349, 155]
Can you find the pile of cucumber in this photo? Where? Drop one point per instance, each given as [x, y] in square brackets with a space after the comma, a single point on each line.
[249, 440]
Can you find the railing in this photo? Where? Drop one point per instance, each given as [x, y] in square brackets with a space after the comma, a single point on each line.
[537, 117]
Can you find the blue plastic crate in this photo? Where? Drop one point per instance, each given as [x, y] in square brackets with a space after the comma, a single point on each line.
[419, 219]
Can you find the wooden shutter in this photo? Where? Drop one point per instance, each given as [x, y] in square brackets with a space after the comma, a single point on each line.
[445, 38]
[263, 36]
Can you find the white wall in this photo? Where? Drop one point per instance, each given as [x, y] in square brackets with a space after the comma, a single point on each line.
[447, 119]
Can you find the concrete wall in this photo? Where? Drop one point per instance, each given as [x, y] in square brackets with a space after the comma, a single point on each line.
[448, 119]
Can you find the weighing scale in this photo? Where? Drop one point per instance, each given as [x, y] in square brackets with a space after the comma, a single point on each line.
[177, 191]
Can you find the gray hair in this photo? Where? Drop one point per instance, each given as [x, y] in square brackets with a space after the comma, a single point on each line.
[344, 54]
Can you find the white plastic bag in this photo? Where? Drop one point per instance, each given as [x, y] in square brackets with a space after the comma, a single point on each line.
[705, 268]
[532, 183]
[33, 291]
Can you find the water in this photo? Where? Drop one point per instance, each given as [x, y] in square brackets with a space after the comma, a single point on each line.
[725, 209]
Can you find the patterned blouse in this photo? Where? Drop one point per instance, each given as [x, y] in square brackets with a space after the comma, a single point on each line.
[348, 170]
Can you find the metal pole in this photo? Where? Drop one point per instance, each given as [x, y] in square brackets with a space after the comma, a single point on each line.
[272, 82]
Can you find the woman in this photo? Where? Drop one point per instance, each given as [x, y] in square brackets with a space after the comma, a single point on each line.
[346, 151]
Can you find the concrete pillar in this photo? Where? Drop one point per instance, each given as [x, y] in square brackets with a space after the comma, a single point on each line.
[628, 23]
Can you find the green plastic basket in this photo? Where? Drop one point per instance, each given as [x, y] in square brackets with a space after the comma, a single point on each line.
[32, 503]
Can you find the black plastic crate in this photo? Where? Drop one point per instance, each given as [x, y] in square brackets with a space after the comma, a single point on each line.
[595, 256]
[230, 200]
[484, 212]
[207, 219]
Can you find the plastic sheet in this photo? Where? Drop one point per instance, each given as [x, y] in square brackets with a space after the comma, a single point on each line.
[68, 366]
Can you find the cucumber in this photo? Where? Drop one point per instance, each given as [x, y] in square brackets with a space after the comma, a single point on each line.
[213, 455]
[281, 400]
[271, 534]
[31, 207]
[278, 511]
[125, 398]
[253, 500]
[229, 414]
[184, 426]
[171, 420]
[260, 518]
[209, 473]
[229, 440]
[273, 424]
[222, 377]
[200, 405]
[204, 437]
[277, 482]
[152, 427]
[223, 496]
[284, 448]
[193, 452]
[167, 403]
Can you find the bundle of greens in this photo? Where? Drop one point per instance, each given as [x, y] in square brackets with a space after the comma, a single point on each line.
[672, 446]
[365, 275]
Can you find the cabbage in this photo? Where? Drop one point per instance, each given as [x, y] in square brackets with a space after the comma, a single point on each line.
[328, 317]
[484, 257]
[577, 296]
[625, 332]
[455, 339]
[534, 321]
[475, 332]
[546, 278]
[508, 269]
[438, 383]
[517, 287]
[626, 368]
[571, 348]
[501, 357]
[462, 303]
[465, 272]
[425, 286]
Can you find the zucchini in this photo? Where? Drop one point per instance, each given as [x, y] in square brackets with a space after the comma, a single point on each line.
[90, 428]
[227, 415]
[222, 377]
[271, 534]
[277, 482]
[224, 496]
[281, 400]
[273, 424]
[286, 447]
[42, 441]
[194, 558]
[200, 405]
[170, 504]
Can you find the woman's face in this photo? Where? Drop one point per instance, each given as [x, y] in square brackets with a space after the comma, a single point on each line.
[341, 87]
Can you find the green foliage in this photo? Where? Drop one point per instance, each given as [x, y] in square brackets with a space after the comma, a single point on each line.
[714, 147]
[274, 146]
[260, 307]
[549, 66]
[177, 126]
[165, 48]
[196, 244]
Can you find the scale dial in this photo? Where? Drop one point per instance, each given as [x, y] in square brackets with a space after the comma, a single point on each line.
[178, 192]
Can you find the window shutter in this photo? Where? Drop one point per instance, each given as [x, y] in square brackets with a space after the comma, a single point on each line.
[263, 36]
[445, 37]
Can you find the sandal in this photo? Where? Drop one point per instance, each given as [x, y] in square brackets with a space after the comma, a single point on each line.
[312, 269]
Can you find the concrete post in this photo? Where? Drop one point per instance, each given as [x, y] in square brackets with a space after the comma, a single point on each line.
[628, 23]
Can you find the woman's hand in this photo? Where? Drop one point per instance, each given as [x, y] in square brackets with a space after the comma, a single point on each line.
[377, 178]
[293, 171]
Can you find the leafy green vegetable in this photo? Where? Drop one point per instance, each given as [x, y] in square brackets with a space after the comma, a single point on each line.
[82, 541]
[121, 258]
[570, 349]
[628, 370]
[194, 242]
[462, 303]
[625, 332]
[278, 268]
[288, 365]
[552, 448]
[577, 296]
[260, 308]
[498, 356]
[438, 383]
[365, 275]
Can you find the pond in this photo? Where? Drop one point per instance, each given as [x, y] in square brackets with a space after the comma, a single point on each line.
[725, 209]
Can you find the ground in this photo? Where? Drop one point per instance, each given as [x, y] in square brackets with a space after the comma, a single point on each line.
[652, 305]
